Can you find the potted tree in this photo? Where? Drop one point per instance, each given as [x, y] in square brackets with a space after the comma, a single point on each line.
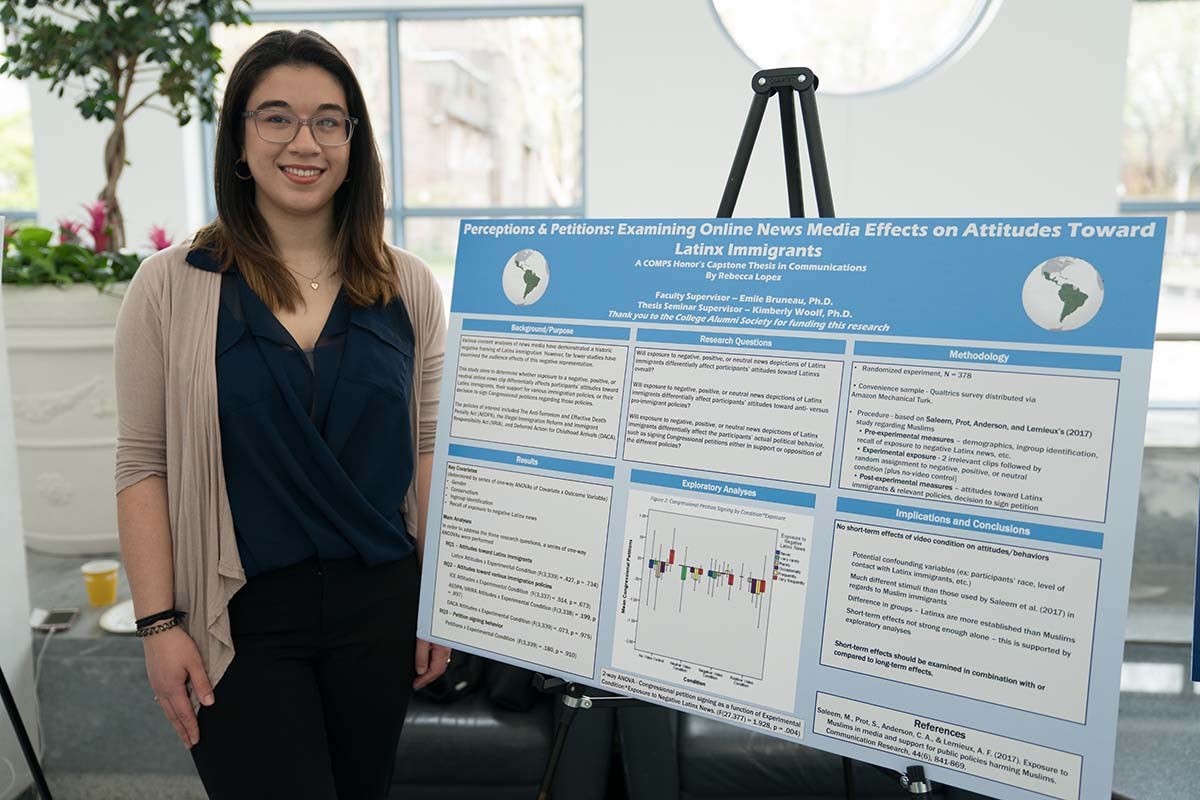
[61, 291]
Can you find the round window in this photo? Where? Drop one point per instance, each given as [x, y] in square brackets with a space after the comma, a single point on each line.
[853, 46]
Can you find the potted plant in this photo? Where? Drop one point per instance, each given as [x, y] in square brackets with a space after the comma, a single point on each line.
[61, 293]
[120, 57]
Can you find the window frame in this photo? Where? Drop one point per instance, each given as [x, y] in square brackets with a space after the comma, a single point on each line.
[1164, 206]
[12, 215]
[398, 212]
[983, 14]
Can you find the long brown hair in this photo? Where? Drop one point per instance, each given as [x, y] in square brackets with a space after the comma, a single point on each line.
[240, 234]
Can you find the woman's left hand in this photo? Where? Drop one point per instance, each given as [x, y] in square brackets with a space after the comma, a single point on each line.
[432, 660]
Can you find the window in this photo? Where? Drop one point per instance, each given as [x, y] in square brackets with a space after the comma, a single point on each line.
[477, 113]
[18, 189]
[861, 46]
[1160, 174]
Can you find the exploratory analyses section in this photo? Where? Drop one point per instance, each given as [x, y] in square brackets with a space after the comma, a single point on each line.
[734, 413]
[999, 623]
[722, 590]
[519, 563]
[546, 393]
[1010, 440]
[713, 596]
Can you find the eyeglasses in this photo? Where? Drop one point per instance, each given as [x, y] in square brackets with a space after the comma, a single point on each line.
[281, 127]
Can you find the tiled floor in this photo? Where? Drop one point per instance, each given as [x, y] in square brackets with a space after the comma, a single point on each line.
[124, 786]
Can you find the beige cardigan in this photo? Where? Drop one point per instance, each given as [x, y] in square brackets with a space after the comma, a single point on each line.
[167, 423]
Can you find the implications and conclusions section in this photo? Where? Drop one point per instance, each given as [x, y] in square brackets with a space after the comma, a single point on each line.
[998, 623]
[519, 563]
[1009, 440]
[545, 393]
[734, 413]
[997, 758]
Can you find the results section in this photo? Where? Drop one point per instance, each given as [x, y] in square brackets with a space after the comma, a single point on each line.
[519, 563]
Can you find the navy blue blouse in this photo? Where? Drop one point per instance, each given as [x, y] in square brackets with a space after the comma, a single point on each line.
[317, 447]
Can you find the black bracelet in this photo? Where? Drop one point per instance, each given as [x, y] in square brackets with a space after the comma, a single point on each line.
[158, 627]
[170, 613]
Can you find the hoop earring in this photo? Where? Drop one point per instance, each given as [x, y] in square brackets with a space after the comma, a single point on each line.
[239, 175]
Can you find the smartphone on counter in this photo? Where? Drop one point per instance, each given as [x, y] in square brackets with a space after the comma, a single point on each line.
[53, 619]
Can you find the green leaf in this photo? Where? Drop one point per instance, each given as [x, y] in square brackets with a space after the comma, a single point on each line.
[31, 236]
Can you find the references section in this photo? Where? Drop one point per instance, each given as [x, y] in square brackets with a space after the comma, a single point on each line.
[519, 563]
[1012, 762]
[1007, 440]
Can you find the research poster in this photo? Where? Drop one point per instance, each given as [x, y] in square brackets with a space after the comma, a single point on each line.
[865, 484]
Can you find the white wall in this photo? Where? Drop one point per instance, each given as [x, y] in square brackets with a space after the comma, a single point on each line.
[16, 656]
[1027, 121]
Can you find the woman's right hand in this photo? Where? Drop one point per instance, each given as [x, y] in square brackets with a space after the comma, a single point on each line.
[172, 662]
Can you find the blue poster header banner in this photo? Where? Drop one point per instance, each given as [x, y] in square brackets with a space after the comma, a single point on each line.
[985, 356]
[754, 341]
[532, 460]
[972, 523]
[692, 483]
[535, 329]
[1088, 281]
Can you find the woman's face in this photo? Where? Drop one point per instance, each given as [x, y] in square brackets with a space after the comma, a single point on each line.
[297, 178]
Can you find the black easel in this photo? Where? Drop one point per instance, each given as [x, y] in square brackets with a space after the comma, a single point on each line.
[14, 716]
[802, 83]
[785, 83]
[574, 697]
[789, 84]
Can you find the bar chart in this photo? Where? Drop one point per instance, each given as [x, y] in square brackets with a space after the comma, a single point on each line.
[706, 591]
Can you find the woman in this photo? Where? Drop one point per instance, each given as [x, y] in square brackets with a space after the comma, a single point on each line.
[277, 384]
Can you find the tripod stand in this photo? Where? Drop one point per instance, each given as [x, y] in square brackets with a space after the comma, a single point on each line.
[789, 85]
[802, 83]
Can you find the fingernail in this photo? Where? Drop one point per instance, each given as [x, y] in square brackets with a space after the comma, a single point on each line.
[208, 699]
[420, 670]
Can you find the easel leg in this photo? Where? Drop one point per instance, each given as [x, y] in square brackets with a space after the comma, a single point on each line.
[848, 777]
[14, 716]
[816, 154]
[560, 738]
[741, 159]
[791, 152]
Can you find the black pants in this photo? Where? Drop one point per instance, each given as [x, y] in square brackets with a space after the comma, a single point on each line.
[313, 703]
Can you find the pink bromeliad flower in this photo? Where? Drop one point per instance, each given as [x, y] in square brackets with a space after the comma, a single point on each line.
[159, 238]
[68, 231]
[97, 225]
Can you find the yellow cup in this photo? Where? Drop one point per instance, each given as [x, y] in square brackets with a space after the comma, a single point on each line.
[100, 578]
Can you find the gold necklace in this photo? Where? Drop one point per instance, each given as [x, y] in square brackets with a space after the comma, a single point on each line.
[312, 281]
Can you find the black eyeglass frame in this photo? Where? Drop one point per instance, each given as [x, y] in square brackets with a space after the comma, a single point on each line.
[302, 122]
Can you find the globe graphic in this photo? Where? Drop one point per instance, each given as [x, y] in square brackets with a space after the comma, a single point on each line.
[525, 277]
[1063, 293]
